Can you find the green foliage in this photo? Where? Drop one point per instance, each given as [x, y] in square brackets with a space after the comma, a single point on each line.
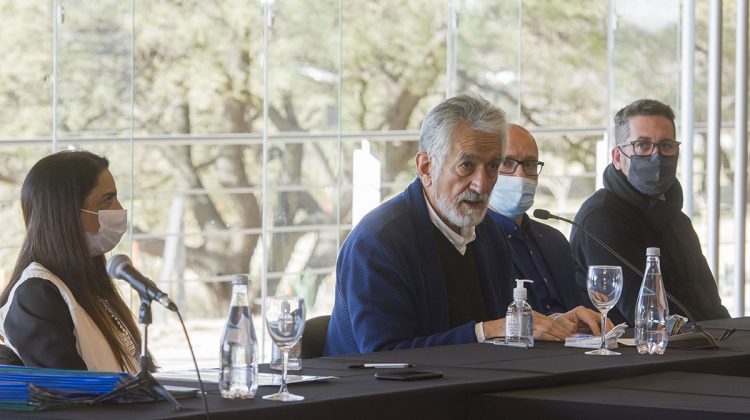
[25, 83]
[196, 93]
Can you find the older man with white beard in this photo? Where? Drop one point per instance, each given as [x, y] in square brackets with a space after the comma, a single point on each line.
[425, 268]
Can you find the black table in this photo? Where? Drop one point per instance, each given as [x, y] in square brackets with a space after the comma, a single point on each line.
[569, 365]
[356, 394]
[670, 395]
[469, 371]
[742, 324]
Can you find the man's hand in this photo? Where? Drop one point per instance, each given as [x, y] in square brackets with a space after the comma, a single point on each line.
[494, 328]
[582, 319]
[545, 328]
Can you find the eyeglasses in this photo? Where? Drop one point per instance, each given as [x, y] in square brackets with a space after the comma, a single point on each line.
[530, 167]
[647, 147]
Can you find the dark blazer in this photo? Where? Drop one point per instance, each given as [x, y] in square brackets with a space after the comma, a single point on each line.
[39, 325]
[390, 286]
[555, 250]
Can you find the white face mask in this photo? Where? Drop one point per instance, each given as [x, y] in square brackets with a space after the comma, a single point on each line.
[512, 195]
[112, 225]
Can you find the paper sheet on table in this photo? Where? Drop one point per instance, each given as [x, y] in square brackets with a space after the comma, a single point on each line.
[588, 341]
[630, 342]
[212, 376]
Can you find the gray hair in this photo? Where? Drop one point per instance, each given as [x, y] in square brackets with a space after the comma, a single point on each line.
[639, 108]
[441, 121]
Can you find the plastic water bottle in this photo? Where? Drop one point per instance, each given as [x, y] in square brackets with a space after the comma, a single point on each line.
[519, 327]
[651, 311]
[239, 347]
[293, 363]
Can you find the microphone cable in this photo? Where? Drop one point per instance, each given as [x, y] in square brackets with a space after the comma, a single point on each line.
[204, 396]
[544, 215]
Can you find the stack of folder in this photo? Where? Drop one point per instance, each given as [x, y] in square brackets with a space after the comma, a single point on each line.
[31, 389]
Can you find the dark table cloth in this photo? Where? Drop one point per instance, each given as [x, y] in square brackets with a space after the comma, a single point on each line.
[470, 370]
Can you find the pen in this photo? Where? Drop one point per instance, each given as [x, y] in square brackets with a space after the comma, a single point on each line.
[381, 366]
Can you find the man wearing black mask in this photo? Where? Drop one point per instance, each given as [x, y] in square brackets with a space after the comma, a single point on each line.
[639, 207]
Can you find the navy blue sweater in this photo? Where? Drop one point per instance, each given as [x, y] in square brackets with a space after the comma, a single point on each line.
[390, 287]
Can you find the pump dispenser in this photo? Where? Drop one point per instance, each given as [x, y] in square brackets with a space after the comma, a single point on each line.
[519, 320]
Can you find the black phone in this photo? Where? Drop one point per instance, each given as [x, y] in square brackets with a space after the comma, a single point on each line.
[408, 375]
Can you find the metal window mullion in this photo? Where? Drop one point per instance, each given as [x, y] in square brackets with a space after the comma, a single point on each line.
[519, 102]
[56, 15]
[740, 172]
[339, 135]
[451, 44]
[687, 105]
[267, 11]
[714, 134]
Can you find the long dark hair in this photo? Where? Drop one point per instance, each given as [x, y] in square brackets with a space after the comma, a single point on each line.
[52, 195]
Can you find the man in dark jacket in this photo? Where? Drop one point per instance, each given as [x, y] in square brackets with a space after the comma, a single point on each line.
[639, 207]
[539, 252]
[427, 268]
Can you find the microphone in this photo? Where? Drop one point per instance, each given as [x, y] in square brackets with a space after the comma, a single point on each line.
[544, 215]
[120, 267]
[696, 338]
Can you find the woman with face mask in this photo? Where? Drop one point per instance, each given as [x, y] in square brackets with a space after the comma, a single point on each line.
[60, 308]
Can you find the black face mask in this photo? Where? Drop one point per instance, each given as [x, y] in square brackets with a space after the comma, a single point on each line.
[652, 175]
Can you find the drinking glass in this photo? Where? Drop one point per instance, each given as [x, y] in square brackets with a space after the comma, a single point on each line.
[604, 284]
[285, 319]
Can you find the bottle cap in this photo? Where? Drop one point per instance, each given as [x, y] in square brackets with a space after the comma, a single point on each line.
[519, 293]
[239, 280]
[653, 252]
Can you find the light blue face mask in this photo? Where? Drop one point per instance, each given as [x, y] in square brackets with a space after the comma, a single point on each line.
[512, 195]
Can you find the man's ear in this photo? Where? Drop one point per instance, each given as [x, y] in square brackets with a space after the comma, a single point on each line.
[616, 154]
[424, 168]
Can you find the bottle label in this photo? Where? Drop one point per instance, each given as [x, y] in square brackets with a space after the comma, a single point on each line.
[513, 326]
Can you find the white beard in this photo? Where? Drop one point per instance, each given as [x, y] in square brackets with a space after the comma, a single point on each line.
[471, 217]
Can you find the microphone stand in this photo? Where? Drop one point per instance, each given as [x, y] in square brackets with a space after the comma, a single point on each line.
[143, 382]
[696, 338]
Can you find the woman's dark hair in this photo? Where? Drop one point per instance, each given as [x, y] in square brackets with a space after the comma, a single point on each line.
[52, 195]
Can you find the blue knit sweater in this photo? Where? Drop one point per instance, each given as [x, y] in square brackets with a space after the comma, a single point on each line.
[390, 287]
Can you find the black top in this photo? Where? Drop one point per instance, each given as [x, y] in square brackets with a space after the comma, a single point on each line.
[629, 222]
[558, 259]
[530, 261]
[39, 326]
[465, 297]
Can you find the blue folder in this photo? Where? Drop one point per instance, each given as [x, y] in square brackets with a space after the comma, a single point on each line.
[31, 388]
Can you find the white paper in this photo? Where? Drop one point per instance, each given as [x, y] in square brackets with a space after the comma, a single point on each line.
[588, 341]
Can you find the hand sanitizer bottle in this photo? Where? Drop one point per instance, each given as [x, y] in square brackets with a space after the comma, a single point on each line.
[519, 320]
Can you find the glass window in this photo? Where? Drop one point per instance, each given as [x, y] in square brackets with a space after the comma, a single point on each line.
[229, 167]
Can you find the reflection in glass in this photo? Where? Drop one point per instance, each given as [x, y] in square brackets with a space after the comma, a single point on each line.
[285, 319]
[604, 285]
